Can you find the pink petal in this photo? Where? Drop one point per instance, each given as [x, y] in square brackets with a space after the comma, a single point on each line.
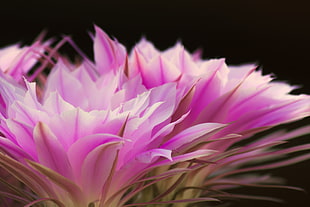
[209, 86]
[26, 114]
[55, 104]
[50, 152]
[67, 86]
[10, 91]
[97, 167]
[23, 136]
[148, 156]
[78, 152]
[185, 157]
[13, 150]
[191, 134]
[108, 54]
[72, 125]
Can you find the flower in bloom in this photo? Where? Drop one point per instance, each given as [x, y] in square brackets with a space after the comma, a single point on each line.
[141, 128]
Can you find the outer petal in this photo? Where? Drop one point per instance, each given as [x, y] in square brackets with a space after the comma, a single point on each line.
[133, 169]
[160, 105]
[184, 157]
[23, 136]
[97, 166]
[109, 54]
[13, 150]
[191, 134]
[148, 156]
[10, 91]
[55, 104]
[209, 85]
[7, 56]
[67, 86]
[17, 61]
[156, 71]
[80, 149]
[26, 114]
[50, 152]
[72, 125]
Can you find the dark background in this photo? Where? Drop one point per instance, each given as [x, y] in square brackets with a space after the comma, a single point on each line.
[272, 33]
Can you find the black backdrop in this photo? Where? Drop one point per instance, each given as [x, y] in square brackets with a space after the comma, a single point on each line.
[273, 33]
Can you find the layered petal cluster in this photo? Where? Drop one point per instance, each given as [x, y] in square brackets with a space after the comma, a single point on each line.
[17, 61]
[142, 128]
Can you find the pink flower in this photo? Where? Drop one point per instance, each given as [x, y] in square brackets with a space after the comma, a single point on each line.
[149, 128]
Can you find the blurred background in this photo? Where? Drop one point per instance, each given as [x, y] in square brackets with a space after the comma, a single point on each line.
[274, 34]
